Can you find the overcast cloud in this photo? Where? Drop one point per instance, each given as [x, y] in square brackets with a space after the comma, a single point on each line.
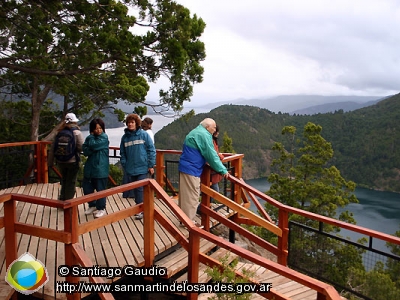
[266, 48]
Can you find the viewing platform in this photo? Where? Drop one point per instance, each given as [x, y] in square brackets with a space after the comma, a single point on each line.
[116, 245]
[58, 233]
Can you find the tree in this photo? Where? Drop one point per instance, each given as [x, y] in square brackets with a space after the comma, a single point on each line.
[141, 110]
[392, 265]
[305, 180]
[96, 53]
[227, 146]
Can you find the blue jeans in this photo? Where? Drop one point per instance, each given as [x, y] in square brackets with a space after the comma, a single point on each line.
[138, 192]
[89, 185]
[126, 179]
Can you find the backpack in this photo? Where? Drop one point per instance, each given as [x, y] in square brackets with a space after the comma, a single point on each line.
[65, 145]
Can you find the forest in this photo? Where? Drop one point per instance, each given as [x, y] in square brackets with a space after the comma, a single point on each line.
[365, 141]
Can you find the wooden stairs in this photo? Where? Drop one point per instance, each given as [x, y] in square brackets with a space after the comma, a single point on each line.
[177, 262]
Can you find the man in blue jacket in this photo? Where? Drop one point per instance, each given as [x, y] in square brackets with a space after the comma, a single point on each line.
[198, 148]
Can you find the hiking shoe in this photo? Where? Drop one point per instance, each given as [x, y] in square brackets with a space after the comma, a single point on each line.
[90, 210]
[198, 225]
[139, 216]
[100, 213]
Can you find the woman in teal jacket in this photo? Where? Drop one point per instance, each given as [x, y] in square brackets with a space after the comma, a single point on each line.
[138, 155]
[96, 169]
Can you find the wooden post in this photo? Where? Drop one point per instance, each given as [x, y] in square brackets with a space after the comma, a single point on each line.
[205, 199]
[160, 168]
[148, 224]
[193, 261]
[283, 241]
[237, 168]
[41, 163]
[71, 226]
[10, 236]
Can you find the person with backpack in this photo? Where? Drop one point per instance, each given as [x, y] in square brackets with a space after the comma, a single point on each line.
[65, 152]
[97, 165]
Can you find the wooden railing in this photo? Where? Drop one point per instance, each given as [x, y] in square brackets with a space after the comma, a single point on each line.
[74, 253]
[37, 161]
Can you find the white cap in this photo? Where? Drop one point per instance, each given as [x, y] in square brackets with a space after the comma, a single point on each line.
[70, 117]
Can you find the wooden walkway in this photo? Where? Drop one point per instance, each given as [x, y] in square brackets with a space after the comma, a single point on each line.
[114, 245]
[120, 244]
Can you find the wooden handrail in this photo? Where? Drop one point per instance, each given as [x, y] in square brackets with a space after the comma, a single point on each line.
[152, 187]
[241, 210]
[316, 217]
[85, 261]
[319, 286]
[72, 229]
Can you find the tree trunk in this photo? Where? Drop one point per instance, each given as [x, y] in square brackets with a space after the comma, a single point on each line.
[38, 98]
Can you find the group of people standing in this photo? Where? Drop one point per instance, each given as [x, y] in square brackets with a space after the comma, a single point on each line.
[137, 159]
[138, 156]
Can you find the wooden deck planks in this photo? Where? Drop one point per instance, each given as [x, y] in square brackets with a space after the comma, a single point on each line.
[114, 235]
[307, 295]
[128, 235]
[117, 244]
[281, 284]
[125, 240]
[50, 261]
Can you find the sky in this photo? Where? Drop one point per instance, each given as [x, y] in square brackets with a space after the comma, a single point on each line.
[258, 49]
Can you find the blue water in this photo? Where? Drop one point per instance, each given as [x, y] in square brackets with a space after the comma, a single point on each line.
[376, 210]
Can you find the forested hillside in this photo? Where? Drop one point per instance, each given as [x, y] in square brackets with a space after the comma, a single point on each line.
[366, 141]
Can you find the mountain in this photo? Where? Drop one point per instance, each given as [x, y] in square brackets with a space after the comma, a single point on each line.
[293, 103]
[366, 141]
[332, 107]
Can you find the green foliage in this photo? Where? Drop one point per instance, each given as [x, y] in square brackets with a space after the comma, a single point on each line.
[303, 178]
[328, 258]
[88, 53]
[251, 129]
[14, 121]
[186, 117]
[141, 110]
[116, 173]
[392, 265]
[365, 141]
[227, 146]
[226, 274]
[375, 284]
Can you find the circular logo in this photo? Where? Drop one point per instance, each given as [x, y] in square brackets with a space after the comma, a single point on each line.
[26, 274]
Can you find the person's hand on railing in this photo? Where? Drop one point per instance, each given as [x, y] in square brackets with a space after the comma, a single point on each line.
[151, 171]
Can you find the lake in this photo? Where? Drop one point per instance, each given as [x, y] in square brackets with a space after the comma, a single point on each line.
[376, 210]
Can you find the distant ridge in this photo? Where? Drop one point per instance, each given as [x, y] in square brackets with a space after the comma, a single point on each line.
[332, 107]
[292, 103]
[296, 103]
[366, 141]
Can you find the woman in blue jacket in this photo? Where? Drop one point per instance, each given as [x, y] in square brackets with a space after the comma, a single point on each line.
[138, 154]
[96, 169]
